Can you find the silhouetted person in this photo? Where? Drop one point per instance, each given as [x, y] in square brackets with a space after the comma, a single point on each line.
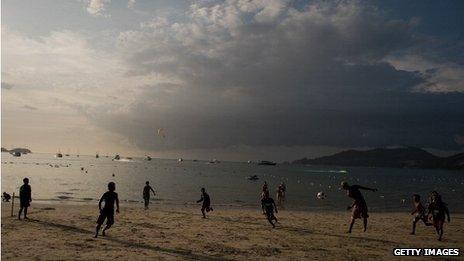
[146, 193]
[25, 198]
[265, 190]
[107, 212]
[268, 205]
[419, 213]
[359, 205]
[6, 197]
[206, 206]
[438, 209]
[281, 194]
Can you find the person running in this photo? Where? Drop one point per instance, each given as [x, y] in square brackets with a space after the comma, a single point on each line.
[107, 212]
[146, 193]
[359, 206]
[206, 206]
[268, 205]
[438, 209]
[25, 198]
[419, 213]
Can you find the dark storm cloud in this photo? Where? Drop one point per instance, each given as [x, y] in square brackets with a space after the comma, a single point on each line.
[275, 75]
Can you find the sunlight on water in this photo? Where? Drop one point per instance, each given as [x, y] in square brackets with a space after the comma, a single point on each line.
[61, 179]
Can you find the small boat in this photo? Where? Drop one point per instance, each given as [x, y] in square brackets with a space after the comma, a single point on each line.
[147, 157]
[214, 161]
[180, 159]
[67, 155]
[97, 156]
[254, 177]
[116, 157]
[59, 155]
[265, 162]
[16, 154]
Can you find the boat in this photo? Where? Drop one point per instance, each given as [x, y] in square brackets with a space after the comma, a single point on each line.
[116, 157]
[214, 161]
[16, 154]
[180, 159]
[67, 155]
[59, 155]
[253, 177]
[147, 157]
[265, 162]
[97, 156]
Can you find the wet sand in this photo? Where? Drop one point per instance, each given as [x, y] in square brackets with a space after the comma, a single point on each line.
[65, 232]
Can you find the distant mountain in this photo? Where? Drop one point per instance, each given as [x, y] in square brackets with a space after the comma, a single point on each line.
[395, 158]
[20, 150]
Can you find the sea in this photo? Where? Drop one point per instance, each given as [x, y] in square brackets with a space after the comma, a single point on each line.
[82, 180]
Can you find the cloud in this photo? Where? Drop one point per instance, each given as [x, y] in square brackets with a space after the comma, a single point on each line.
[254, 74]
[96, 7]
[6, 86]
[279, 75]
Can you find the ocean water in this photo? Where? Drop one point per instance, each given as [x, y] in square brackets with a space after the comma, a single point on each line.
[62, 180]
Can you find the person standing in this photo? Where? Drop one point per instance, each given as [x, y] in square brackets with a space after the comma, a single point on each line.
[25, 198]
[146, 194]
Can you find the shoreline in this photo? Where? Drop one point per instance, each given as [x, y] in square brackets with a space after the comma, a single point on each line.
[173, 232]
[155, 202]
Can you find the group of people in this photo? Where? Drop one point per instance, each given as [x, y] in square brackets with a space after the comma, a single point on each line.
[436, 211]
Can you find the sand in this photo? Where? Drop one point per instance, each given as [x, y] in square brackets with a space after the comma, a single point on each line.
[65, 232]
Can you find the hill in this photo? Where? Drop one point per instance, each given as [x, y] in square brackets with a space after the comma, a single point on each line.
[382, 157]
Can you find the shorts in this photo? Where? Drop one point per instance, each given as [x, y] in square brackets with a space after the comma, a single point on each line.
[419, 217]
[107, 214]
[359, 211]
[208, 208]
[270, 214]
[438, 219]
[24, 203]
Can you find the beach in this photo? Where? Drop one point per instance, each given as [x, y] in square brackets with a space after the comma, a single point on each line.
[176, 232]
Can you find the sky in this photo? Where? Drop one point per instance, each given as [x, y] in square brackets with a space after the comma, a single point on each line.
[232, 80]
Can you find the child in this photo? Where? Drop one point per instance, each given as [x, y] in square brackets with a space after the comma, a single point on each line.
[438, 209]
[146, 194]
[6, 197]
[419, 213]
[110, 197]
[281, 194]
[206, 202]
[359, 205]
[265, 190]
[268, 205]
[25, 198]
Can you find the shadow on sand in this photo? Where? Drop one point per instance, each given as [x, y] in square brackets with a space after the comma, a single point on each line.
[299, 230]
[187, 254]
